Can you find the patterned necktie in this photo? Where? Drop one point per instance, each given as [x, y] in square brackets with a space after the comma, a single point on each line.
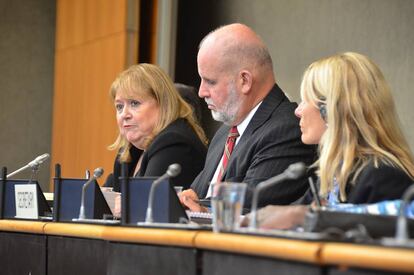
[228, 149]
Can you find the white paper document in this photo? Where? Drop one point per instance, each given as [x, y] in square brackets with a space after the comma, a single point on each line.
[110, 197]
[26, 201]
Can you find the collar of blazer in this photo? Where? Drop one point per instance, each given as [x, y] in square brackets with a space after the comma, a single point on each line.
[263, 114]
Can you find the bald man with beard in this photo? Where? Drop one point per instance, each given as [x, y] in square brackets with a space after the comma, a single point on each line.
[238, 85]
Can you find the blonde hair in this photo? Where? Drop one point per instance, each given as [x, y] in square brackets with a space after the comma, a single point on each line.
[363, 126]
[149, 81]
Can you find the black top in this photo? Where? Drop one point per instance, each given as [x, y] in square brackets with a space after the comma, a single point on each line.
[378, 184]
[373, 185]
[177, 143]
[270, 143]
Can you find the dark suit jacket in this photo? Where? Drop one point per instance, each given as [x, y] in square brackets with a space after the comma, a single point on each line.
[177, 143]
[372, 185]
[378, 184]
[270, 143]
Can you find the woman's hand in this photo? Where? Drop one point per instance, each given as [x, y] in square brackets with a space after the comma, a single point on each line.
[279, 217]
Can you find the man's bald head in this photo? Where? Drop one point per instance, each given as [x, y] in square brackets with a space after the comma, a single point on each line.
[236, 72]
[238, 47]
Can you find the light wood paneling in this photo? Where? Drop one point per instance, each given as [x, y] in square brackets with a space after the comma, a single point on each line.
[80, 21]
[154, 37]
[93, 44]
[22, 226]
[91, 231]
[261, 246]
[363, 256]
[172, 237]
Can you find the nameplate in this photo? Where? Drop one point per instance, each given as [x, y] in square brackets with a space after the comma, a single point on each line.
[26, 201]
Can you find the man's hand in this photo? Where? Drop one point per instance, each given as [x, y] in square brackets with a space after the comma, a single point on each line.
[189, 199]
[279, 217]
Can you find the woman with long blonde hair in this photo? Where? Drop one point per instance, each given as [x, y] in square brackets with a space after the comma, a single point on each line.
[363, 155]
[348, 110]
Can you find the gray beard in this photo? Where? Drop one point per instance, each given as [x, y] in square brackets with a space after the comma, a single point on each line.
[222, 117]
[228, 115]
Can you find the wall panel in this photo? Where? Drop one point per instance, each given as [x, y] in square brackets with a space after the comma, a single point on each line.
[27, 42]
[92, 46]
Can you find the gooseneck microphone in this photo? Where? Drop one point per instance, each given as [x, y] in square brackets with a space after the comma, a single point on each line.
[34, 164]
[293, 172]
[172, 171]
[97, 173]
[401, 232]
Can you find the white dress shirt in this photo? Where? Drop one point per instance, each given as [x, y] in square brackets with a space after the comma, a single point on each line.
[240, 128]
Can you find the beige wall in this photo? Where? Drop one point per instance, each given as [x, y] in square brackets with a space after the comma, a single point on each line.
[301, 31]
[27, 38]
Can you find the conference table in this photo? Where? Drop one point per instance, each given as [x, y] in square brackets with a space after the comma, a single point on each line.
[36, 247]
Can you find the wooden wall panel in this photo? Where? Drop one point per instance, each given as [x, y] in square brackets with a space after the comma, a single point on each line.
[92, 41]
[69, 23]
[80, 21]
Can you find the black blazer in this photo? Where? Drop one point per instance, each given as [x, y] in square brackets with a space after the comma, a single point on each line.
[270, 143]
[373, 184]
[378, 184]
[177, 143]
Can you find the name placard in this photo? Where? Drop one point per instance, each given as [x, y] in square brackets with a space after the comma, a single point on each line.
[26, 201]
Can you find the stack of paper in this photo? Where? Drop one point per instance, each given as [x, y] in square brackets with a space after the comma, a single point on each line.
[112, 199]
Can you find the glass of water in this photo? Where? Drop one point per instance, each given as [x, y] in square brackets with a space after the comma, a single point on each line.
[227, 205]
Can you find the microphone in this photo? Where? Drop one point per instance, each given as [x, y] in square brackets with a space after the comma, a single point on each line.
[39, 160]
[172, 171]
[34, 164]
[293, 172]
[97, 173]
[401, 234]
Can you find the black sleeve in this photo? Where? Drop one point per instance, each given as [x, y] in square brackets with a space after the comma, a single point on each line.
[109, 182]
[175, 149]
[379, 184]
[277, 151]
[113, 179]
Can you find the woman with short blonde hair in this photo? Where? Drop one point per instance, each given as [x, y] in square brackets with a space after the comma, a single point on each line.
[156, 126]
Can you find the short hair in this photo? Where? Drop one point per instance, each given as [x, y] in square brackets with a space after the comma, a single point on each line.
[150, 81]
[362, 120]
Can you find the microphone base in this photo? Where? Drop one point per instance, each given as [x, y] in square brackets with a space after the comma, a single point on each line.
[190, 226]
[393, 242]
[297, 234]
[96, 221]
